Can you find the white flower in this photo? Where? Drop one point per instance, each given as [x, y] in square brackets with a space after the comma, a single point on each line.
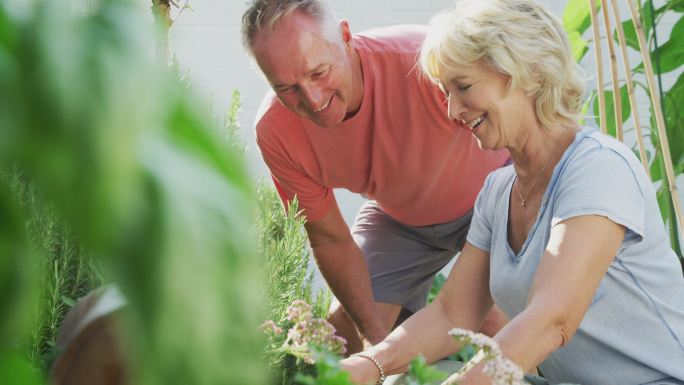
[501, 370]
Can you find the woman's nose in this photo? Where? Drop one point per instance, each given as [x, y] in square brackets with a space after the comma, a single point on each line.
[455, 108]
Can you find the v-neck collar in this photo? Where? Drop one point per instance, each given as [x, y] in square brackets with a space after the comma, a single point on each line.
[515, 258]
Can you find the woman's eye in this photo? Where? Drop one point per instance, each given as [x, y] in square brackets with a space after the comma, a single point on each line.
[463, 87]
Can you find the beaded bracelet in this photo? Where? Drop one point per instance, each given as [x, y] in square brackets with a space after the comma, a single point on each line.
[377, 364]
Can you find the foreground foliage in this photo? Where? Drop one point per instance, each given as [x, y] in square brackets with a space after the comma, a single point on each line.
[142, 177]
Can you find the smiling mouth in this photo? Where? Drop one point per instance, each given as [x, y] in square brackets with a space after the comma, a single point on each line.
[324, 106]
[477, 121]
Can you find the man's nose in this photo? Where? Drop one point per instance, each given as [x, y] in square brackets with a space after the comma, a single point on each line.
[455, 108]
[313, 96]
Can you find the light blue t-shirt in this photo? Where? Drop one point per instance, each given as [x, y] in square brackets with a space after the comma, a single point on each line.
[633, 332]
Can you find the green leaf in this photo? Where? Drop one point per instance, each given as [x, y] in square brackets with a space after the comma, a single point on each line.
[663, 196]
[646, 23]
[466, 353]
[68, 301]
[421, 374]
[656, 173]
[328, 371]
[15, 370]
[630, 34]
[436, 287]
[610, 109]
[579, 45]
[676, 5]
[673, 107]
[670, 55]
[576, 16]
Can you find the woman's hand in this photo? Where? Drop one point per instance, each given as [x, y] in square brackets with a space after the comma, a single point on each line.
[362, 370]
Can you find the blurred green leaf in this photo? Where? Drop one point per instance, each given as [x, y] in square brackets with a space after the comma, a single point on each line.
[676, 5]
[610, 109]
[16, 370]
[328, 371]
[18, 278]
[420, 373]
[577, 16]
[146, 180]
[579, 45]
[437, 285]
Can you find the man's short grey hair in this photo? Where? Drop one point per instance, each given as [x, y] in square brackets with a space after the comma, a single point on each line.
[265, 14]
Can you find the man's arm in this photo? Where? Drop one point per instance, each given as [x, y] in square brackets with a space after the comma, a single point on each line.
[344, 268]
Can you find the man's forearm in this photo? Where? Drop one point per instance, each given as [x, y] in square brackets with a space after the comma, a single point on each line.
[346, 272]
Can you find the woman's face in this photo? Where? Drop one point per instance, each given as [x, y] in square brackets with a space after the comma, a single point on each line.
[499, 116]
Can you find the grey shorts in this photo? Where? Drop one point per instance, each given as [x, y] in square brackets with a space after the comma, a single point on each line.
[403, 260]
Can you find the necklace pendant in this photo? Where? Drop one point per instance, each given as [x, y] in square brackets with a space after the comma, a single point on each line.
[523, 202]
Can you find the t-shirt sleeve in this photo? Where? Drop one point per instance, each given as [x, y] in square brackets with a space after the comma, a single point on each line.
[602, 182]
[480, 232]
[314, 200]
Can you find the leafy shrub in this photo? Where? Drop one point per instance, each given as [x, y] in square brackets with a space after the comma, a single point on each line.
[283, 247]
[67, 272]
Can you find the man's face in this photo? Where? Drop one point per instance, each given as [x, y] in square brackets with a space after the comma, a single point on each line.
[310, 68]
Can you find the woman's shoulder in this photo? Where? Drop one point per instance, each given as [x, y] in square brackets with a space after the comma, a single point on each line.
[598, 161]
[592, 141]
[596, 150]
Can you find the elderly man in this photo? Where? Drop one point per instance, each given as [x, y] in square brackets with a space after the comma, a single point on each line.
[353, 111]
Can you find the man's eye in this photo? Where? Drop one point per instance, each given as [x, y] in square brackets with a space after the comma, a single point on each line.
[286, 90]
[319, 73]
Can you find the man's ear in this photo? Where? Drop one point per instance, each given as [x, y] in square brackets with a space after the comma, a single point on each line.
[346, 33]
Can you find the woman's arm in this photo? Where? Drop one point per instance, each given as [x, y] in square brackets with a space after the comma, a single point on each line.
[576, 258]
[463, 302]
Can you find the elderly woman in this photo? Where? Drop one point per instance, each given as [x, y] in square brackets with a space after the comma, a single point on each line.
[567, 241]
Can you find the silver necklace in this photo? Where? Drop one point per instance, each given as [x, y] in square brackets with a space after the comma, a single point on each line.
[523, 198]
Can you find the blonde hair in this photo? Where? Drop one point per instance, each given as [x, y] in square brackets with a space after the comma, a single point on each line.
[518, 38]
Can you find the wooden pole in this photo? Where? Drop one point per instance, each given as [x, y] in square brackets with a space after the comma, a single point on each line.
[599, 66]
[660, 122]
[630, 85]
[617, 96]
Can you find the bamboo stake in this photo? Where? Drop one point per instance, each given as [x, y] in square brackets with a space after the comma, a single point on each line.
[657, 109]
[630, 86]
[617, 96]
[599, 66]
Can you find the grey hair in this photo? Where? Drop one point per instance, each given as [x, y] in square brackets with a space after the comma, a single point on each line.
[265, 14]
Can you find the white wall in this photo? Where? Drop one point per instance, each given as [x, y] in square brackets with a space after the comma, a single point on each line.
[206, 42]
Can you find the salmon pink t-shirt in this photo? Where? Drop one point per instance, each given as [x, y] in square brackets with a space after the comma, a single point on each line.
[399, 149]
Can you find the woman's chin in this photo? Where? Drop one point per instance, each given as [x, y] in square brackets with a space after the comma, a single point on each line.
[484, 145]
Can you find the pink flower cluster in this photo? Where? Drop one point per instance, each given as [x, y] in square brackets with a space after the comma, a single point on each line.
[306, 332]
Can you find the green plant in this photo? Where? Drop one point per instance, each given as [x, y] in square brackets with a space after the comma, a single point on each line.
[327, 370]
[667, 57]
[67, 272]
[139, 173]
[420, 373]
[437, 285]
[283, 247]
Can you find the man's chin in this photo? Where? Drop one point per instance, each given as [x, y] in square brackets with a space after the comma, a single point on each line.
[326, 122]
